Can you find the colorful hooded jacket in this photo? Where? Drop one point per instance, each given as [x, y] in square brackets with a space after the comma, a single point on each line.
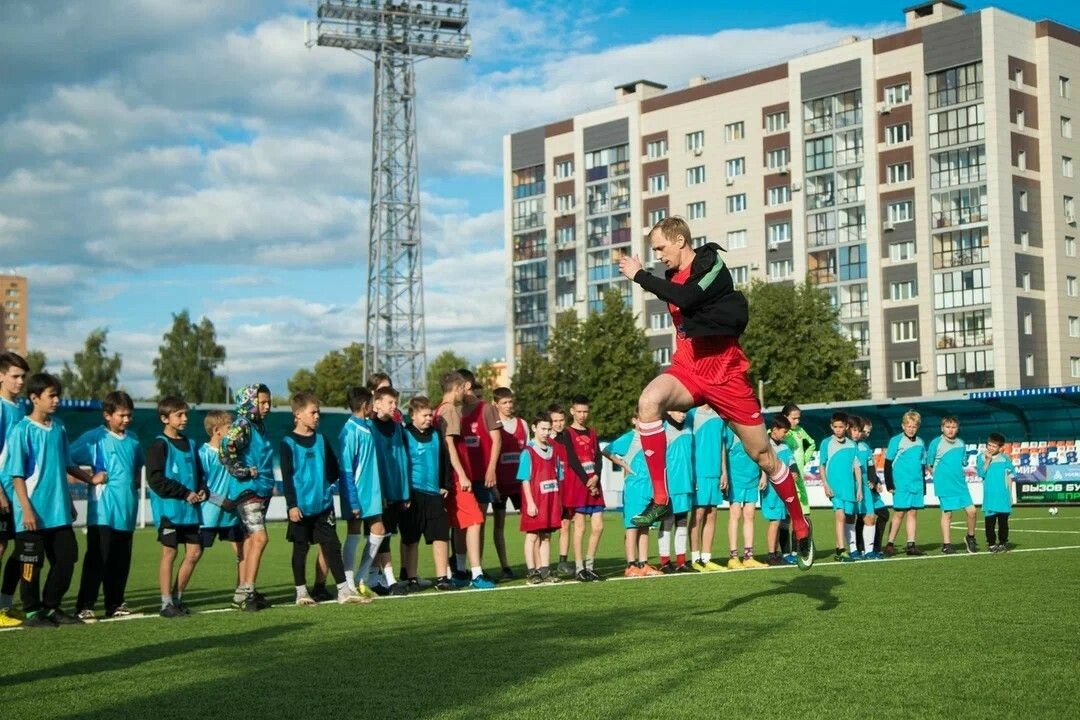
[246, 451]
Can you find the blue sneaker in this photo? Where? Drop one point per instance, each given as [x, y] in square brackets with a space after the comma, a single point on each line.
[481, 583]
[872, 555]
[790, 559]
[856, 556]
[460, 580]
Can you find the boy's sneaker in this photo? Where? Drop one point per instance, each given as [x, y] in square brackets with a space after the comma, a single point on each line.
[684, 568]
[533, 577]
[634, 571]
[649, 571]
[593, 575]
[698, 565]
[417, 584]
[461, 580]
[442, 584]
[348, 596]
[400, 588]
[87, 616]
[62, 618]
[913, 551]
[947, 549]
[260, 599]
[306, 601]
[40, 619]
[8, 621]
[380, 590]
[713, 566]
[483, 583]
[667, 569]
[734, 563]
[856, 555]
[651, 514]
[873, 555]
[890, 550]
[185, 609]
[773, 560]
[121, 610]
[319, 593]
[844, 557]
[750, 562]
[564, 569]
[582, 575]
[171, 611]
[790, 559]
[552, 579]
[970, 544]
[250, 604]
[364, 591]
[805, 550]
[508, 573]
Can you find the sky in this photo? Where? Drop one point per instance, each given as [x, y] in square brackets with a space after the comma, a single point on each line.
[158, 155]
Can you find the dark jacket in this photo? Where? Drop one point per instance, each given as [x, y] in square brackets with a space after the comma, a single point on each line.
[709, 302]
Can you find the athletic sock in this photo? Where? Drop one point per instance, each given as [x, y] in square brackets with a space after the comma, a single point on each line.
[654, 446]
[665, 559]
[301, 591]
[477, 572]
[348, 558]
[372, 549]
[748, 552]
[849, 533]
[695, 557]
[589, 563]
[706, 557]
[579, 565]
[681, 536]
[784, 484]
[166, 601]
[680, 560]
[868, 537]
[663, 539]
[388, 573]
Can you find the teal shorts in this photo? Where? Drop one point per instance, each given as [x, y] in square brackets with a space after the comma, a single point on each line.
[707, 492]
[745, 496]
[908, 500]
[636, 495]
[847, 506]
[772, 507]
[950, 503]
[682, 503]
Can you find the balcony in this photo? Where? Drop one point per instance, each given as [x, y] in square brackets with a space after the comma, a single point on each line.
[959, 258]
[526, 222]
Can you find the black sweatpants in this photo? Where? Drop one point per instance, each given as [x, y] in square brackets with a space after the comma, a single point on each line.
[997, 526]
[58, 546]
[107, 563]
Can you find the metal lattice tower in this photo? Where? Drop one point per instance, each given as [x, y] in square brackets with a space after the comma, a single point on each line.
[397, 33]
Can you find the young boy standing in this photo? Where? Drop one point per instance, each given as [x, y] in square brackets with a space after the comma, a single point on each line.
[391, 454]
[515, 435]
[707, 428]
[946, 457]
[360, 490]
[996, 471]
[590, 503]
[13, 370]
[743, 488]
[248, 455]
[905, 478]
[309, 470]
[842, 481]
[429, 481]
[111, 508]
[772, 507]
[625, 451]
[217, 523]
[177, 487]
[37, 450]
[539, 472]
[482, 438]
[680, 470]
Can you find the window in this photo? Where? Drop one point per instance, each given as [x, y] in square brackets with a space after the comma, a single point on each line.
[1021, 159]
[736, 203]
[660, 320]
[1074, 326]
[1071, 288]
[1022, 200]
[740, 275]
[1018, 75]
[960, 288]
[564, 269]
[695, 175]
[901, 172]
[564, 203]
[959, 207]
[819, 154]
[564, 169]
[955, 86]
[656, 216]
[695, 210]
[958, 167]
[734, 131]
[695, 141]
[1029, 365]
[895, 134]
[903, 290]
[530, 245]
[905, 370]
[662, 356]
[777, 121]
[656, 148]
[900, 251]
[1023, 238]
[905, 331]
[901, 211]
[956, 127]
[564, 236]
[698, 241]
[736, 240]
[1068, 204]
[1074, 366]
[1066, 127]
[1018, 117]
[779, 232]
[964, 329]
[779, 269]
[1066, 166]
[1064, 88]
[1027, 323]
[779, 194]
[898, 94]
[564, 301]
[658, 183]
[1070, 246]
[735, 167]
[778, 159]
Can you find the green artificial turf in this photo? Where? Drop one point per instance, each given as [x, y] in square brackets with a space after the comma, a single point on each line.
[959, 636]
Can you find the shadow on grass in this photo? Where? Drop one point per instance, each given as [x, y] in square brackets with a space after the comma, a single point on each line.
[815, 587]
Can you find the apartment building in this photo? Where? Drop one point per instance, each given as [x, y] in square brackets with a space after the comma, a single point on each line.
[926, 179]
[14, 312]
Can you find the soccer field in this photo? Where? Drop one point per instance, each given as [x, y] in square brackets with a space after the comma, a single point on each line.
[939, 636]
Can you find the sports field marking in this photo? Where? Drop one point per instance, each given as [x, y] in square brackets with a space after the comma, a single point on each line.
[961, 526]
[569, 583]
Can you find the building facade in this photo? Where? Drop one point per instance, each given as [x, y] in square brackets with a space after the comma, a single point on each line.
[14, 312]
[926, 179]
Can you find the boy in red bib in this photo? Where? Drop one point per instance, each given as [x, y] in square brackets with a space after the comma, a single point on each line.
[540, 472]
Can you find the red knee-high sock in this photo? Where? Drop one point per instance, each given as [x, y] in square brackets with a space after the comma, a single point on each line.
[654, 445]
[785, 488]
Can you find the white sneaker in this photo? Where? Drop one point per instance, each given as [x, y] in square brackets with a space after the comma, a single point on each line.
[87, 615]
[348, 596]
[305, 601]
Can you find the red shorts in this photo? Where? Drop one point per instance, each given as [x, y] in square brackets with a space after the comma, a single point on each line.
[722, 383]
[463, 509]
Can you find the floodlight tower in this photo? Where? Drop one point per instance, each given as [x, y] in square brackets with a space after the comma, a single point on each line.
[397, 33]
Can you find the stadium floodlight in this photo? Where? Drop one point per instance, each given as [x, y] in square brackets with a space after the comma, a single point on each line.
[397, 34]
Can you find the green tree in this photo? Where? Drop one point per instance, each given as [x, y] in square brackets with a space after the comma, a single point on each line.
[534, 376]
[332, 376]
[487, 376]
[615, 365]
[795, 345]
[445, 362]
[188, 359]
[37, 361]
[94, 373]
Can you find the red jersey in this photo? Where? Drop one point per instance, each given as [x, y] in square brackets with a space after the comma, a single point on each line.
[587, 450]
[510, 456]
[714, 356]
[449, 419]
[476, 427]
[543, 468]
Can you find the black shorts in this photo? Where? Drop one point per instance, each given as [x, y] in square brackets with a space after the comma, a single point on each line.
[314, 529]
[514, 498]
[172, 536]
[567, 513]
[427, 518]
[391, 517]
[7, 527]
[233, 533]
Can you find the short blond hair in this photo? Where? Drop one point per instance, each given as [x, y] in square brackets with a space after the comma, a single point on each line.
[912, 415]
[215, 419]
[673, 228]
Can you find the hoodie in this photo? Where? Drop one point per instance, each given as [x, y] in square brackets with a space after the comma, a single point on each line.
[245, 450]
